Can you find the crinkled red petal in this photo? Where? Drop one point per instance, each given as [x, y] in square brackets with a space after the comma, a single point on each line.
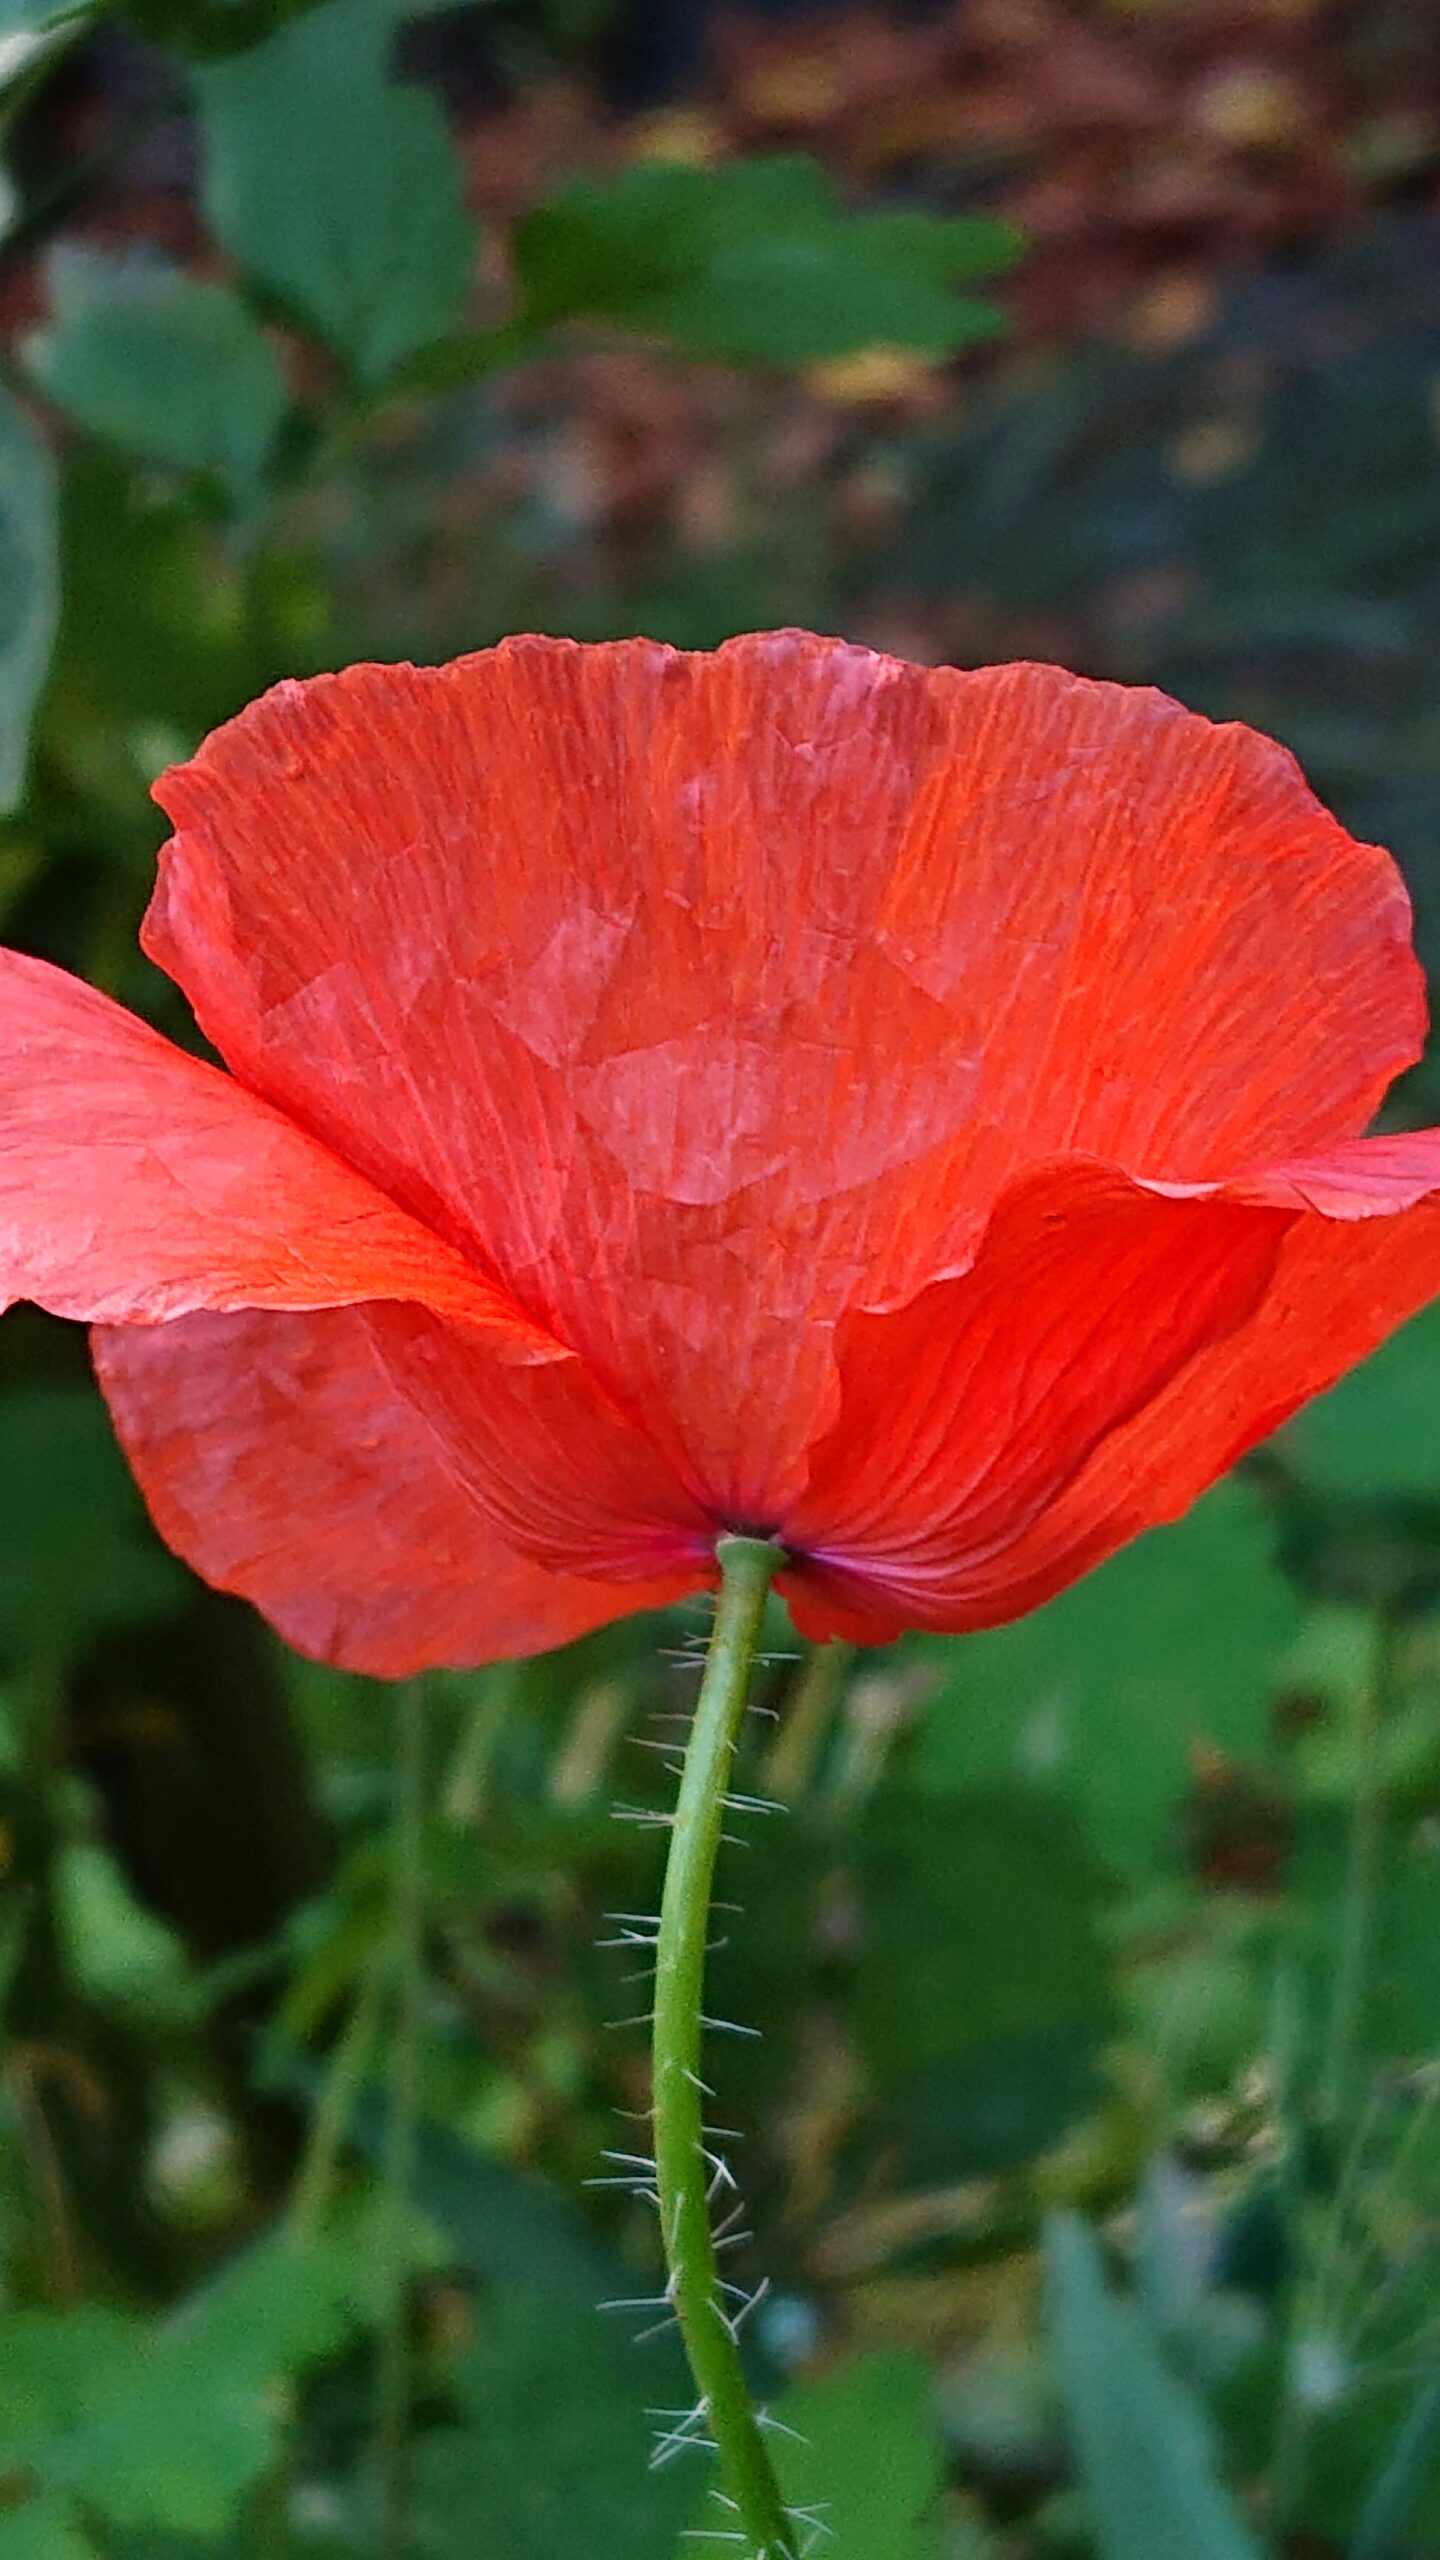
[703, 999]
[138, 1184]
[1114, 1350]
[277, 1458]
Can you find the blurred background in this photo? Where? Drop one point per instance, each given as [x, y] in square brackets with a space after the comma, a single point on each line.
[1090, 2145]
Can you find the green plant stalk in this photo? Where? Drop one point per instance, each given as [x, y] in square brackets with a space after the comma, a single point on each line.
[407, 1929]
[1364, 1874]
[330, 2118]
[1339, 2072]
[682, 2175]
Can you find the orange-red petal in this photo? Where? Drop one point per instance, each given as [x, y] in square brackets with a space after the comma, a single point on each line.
[1365, 1259]
[276, 1457]
[138, 1184]
[964, 1414]
[988, 1454]
[704, 999]
[569, 1478]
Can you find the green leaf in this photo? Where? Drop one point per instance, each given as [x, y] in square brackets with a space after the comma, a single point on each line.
[119, 1954]
[755, 261]
[983, 1995]
[1143, 2440]
[173, 2457]
[43, 2529]
[76, 1553]
[147, 358]
[199, 2422]
[607, 245]
[170, 2431]
[29, 587]
[552, 2456]
[273, 2310]
[511, 2229]
[1107, 1692]
[503, 2224]
[53, 2367]
[868, 2458]
[336, 187]
[1378, 1432]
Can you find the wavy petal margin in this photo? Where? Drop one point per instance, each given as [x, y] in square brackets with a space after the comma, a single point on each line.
[1115, 1349]
[783, 1089]
[138, 1184]
[704, 997]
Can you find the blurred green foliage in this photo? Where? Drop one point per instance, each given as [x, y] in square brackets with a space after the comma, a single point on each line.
[754, 262]
[146, 359]
[1147, 2456]
[1090, 2149]
[352, 216]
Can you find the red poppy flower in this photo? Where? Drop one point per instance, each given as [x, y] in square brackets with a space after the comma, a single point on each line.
[915, 1114]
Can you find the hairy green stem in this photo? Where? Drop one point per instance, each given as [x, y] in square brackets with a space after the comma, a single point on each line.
[392, 2374]
[681, 2169]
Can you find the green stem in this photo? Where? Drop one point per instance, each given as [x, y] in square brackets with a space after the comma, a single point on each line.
[1364, 1870]
[1335, 2086]
[393, 2377]
[344, 2076]
[682, 2178]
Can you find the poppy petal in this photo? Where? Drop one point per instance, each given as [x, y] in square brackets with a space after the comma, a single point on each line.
[704, 998]
[1364, 1260]
[139, 1184]
[965, 1413]
[979, 1522]
[276, 1457]
[569, 1479]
